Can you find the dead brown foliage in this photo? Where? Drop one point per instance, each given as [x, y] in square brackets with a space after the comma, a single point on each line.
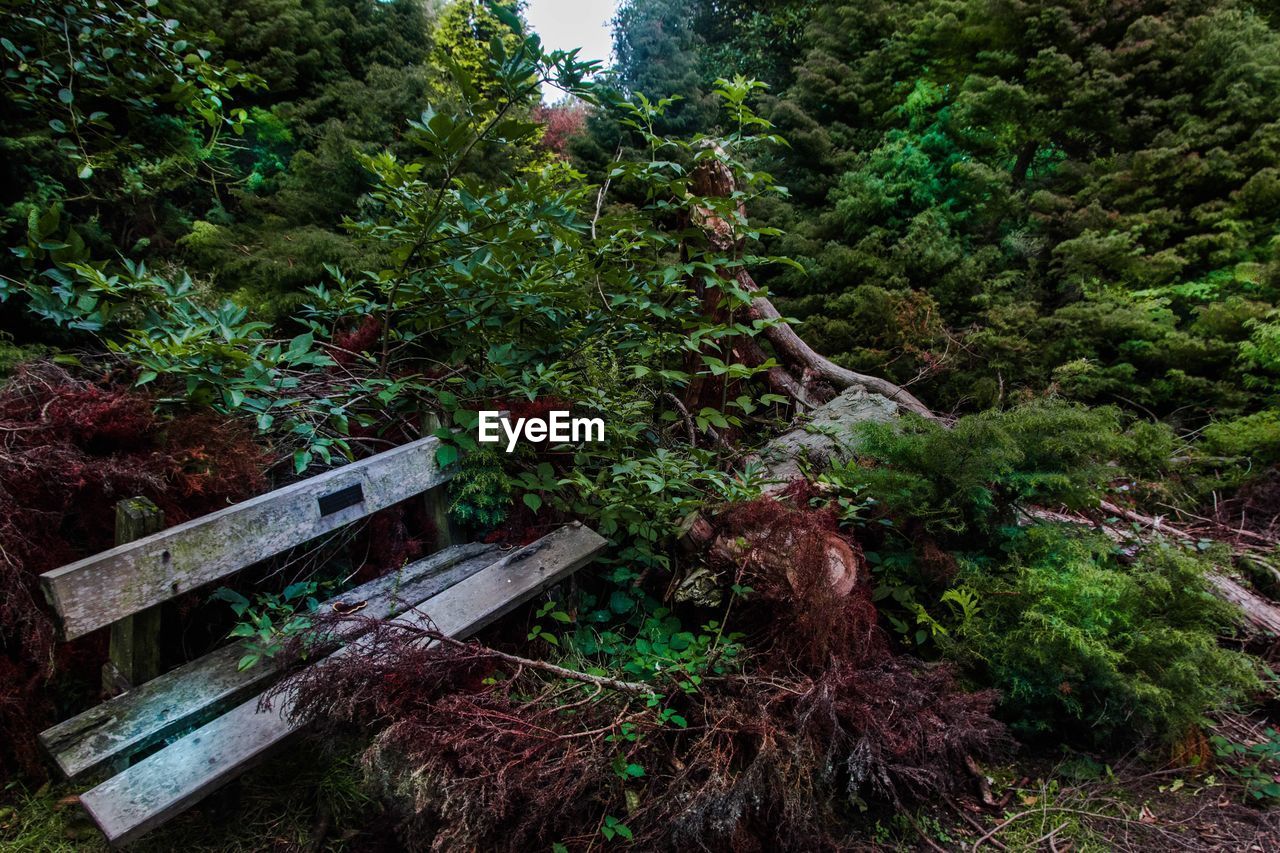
[823, 720]
[70, 448]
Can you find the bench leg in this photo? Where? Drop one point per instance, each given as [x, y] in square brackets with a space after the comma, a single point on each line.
[135, 640]
[135, 650]
[437, 499]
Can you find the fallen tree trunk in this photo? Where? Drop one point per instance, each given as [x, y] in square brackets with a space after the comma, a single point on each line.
[802, 363]
[825, 438]
[1262, 616]
[865, 398]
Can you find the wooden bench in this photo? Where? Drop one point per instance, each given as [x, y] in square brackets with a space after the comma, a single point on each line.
[201, 721]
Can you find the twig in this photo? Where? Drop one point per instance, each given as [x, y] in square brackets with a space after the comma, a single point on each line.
[933, 845]
[483, 651]
[684, 414]
[968, 818]
[602, 192]
[1001, 825]
[984, 787]
[1048, 836]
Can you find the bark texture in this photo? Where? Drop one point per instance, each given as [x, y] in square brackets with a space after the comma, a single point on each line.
[803, 367]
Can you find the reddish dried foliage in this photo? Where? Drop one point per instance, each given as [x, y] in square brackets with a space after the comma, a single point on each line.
[563, 122]
[497, 758]
[768, 762]
[349, 344]
[809, 623]
[71, 450]
[393, 537]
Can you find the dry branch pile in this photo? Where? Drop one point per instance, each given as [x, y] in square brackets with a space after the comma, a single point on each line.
[494, 754]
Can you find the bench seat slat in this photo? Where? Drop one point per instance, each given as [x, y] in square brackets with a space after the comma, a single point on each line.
[106, 587]
[169, 781]
[195, 692]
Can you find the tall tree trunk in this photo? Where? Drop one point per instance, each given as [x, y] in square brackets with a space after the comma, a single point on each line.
[1025, 157]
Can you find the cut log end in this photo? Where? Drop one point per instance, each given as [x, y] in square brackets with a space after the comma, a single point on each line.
[774, 555]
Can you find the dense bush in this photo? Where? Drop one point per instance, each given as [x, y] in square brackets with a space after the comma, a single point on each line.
[989, 197]
[1083, 642]
[962, 484]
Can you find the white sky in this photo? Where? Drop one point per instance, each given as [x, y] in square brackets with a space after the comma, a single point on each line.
[566, 24]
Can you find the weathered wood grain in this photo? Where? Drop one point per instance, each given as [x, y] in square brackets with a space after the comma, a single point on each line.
[134, 651]
[1261, 617]
[195, 693]
[437, 500]
[103, 588]
[166, 783]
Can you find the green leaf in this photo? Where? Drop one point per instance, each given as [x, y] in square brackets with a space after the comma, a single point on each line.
[507, 17]
[532, 501]
[65, 95]
[297, 590]
[229, 595]
[301, 344]
[446, 455]
[86, 172]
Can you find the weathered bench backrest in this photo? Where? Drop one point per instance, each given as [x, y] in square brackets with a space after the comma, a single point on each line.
[112, 585]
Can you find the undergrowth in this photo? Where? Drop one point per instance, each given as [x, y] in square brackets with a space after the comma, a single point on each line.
[306, 798]
[73, 447]
[1085, 642]
[770, 753]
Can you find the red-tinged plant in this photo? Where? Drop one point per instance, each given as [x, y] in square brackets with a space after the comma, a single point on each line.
[796, 559]
[561, 123]
[483, 753]
[361, 338]
[70, 449]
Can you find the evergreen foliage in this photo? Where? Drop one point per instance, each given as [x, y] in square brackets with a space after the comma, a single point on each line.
[1086, 644]
[994, 196]
[322, 219]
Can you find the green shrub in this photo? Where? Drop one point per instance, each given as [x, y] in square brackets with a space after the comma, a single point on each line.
[966, 481]
[1083, 646]
[482, 490]
[1255, 437]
